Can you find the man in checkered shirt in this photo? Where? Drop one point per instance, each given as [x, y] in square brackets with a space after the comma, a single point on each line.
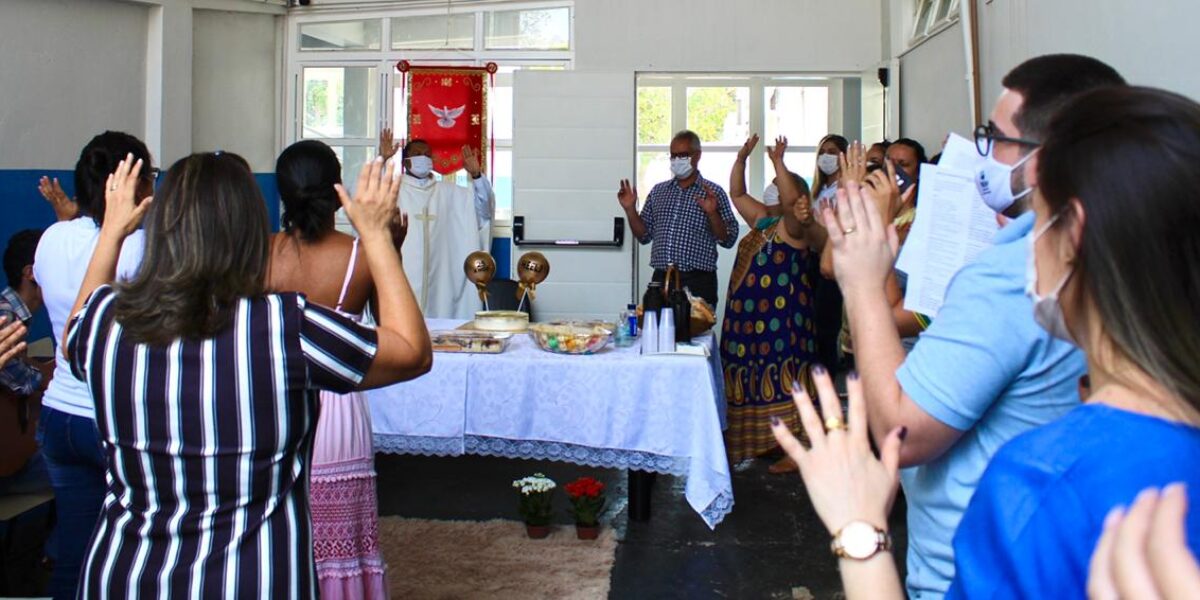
[686, 218]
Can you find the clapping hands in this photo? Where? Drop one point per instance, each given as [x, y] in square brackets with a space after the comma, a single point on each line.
[854, 163]
[747, 148]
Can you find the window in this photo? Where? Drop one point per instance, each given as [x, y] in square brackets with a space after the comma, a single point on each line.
[345, 87]
[929, 16]
[344, 35]
[724, 111]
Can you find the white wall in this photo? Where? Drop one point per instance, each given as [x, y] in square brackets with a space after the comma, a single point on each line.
[69, 69]
[234, 85]
[933, 88]
[1151, 42]
[721, 35]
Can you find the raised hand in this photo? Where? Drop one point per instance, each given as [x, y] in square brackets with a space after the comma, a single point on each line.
[627, 195]
[864, 246]
[373, 207]
[747, 148]
[708, 202]
[802, 210]
[1144, 553]
[399, 227]
[387, 147]
[854, 162]
[122, 212]
[844, 479]
[12, 339]
[880, 185]
[64, 207]
[471, 162]
[775, 153]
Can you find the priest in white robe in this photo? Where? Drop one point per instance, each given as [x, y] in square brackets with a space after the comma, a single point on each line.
[446, 222]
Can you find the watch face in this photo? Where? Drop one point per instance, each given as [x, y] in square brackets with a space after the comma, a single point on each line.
[859, 540]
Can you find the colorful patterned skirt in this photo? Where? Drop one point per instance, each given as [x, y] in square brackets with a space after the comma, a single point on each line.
[767, 343]
[345, 513]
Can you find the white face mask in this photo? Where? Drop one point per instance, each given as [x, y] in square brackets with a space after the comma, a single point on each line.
[827, 163]
[993, 179]
[771, 195]
[420, 166]
[681, 168]
[1046, 310]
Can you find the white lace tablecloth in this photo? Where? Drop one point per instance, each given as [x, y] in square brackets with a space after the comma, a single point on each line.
[614, 409]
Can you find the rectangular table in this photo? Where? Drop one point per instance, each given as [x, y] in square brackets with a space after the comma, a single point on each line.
[615, 409]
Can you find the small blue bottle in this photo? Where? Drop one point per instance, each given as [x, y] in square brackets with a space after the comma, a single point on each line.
[633, 320]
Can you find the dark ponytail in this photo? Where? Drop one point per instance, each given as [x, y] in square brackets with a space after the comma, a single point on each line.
[306, 172]
[97, 161]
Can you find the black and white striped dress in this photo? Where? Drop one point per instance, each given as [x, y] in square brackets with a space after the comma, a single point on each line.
[208, 444]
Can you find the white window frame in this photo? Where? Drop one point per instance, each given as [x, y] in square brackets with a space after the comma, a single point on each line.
[757, 83]
[385, 60]
[921, 31]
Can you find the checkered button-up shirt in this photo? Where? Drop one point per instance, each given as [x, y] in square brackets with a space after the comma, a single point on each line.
[19, 376]
[680, 229]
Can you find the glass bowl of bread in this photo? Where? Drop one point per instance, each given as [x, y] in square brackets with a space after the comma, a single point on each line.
[571, 337]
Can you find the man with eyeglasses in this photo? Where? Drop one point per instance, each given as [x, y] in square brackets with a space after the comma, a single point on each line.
[985, 371]
[686, 218]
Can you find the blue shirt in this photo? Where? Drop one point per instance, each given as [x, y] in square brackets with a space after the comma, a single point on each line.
[680, 229]
[986, 368]
[1034, 522]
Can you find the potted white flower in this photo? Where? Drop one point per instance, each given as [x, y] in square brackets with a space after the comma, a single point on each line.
[536, 494]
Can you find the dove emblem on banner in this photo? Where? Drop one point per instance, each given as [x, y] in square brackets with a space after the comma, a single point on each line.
[446, 116]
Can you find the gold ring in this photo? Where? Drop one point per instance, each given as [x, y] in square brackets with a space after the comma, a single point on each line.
[834, 424]
[848, 231]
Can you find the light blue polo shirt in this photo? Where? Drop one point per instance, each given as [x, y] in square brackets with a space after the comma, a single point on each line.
[986, 368]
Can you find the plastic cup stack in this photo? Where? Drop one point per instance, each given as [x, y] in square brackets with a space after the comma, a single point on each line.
[666, 331]
[650, 334]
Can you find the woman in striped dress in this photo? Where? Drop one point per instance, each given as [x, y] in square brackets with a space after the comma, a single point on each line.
[312, 257]
[206, 386]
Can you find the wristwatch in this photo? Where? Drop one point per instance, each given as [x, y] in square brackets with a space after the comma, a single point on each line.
[860, 540]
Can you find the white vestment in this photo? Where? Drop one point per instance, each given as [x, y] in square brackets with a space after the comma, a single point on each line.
[445, 224]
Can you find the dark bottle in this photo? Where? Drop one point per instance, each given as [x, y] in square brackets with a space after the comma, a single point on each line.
[651, 301]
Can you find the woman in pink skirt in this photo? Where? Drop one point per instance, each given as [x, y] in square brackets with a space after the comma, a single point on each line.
[311, 257]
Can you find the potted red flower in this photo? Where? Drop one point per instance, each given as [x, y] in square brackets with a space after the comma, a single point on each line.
[587, 502]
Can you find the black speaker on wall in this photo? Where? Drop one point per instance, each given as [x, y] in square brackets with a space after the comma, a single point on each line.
[883, 76]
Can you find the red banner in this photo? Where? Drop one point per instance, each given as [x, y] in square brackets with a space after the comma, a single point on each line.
[447, 107]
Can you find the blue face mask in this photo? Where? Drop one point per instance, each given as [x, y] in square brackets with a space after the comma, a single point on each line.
[1046, 310]
[420, 166]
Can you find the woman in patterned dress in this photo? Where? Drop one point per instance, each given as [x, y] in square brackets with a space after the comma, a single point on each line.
[767, 339]
[313, 258]
[206, 385]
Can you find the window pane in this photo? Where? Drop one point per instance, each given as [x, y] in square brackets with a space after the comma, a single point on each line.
[502, 183]
[719, 115]
[654, 115]
[652, 168]
[803, 164]
[433, 32]
[715, 167]
[344, 35]
[536, 29]
[340, 102]
[352, 159]
[800, 113]
[943, 10]
[500, 108]
[922, 22]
